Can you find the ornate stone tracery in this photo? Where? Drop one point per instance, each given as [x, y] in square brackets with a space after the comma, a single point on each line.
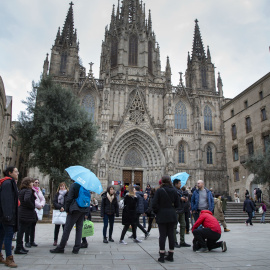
[136, 110]
[133, 158]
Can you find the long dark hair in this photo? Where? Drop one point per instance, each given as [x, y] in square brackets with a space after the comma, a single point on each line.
[26, 182]
[166, 181]
[8, 170]
[108, 190]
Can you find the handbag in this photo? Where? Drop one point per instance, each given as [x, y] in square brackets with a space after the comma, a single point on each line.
[260, 210]
[39, 213]
[59, 218]
[88, 228]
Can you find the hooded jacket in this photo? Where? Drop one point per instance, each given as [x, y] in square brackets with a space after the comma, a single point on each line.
[195, 200]
[207, 219]
[107, 207]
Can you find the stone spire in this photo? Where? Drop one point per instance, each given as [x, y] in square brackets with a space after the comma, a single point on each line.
[46, 66]
[168, 73]
[198, 49]
[208, 55]
[220, 85]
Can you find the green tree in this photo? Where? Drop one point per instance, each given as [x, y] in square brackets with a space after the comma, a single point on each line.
[55, 131]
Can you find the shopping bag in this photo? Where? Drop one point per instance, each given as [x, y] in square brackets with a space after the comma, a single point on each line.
[39, 213]
[59, 217]
[260, 210]
[88, 228]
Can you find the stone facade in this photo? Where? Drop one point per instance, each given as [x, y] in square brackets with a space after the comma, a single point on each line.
[247, 129]
[148, 127]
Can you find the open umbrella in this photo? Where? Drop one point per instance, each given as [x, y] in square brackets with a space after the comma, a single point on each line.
[85, 178]
[182, 176]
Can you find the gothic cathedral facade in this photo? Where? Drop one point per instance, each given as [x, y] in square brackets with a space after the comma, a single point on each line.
[148, 127]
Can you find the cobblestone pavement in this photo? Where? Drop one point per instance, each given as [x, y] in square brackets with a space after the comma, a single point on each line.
[248, 248]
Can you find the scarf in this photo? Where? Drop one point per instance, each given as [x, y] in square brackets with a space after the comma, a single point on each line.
[61, 196]
[36, 189]
[110, 198]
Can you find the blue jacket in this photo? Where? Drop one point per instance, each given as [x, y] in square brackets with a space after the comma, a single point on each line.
[195, 200]
[140, 204]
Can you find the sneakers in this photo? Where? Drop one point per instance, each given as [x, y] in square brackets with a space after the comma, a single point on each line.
[131, 236]
[105, 240]
[122, 242]
[147, 235]
[202, 250]
[224, 246]
[184, 245]
[28, 245]
[226, 230]
[137, 240]
[33, 244]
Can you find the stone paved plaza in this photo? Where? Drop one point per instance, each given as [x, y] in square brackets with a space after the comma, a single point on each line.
[248, 248]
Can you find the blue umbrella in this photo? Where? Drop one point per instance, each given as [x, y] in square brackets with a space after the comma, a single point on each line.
[182, 176]
[85, 178]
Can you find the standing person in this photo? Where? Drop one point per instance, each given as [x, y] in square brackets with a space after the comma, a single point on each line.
[145, 205]
[180, 215]
[117, 193]
[218, 213]
[201, 199]
[39, 204]
[246, 193]
[43, 191]
[186, 207]
[255, 194]
[224, 204]
[150, 213]
[249, 208]
[109, 208]
[9, 218]
[236, 197]
[165, 203]
[59, 203]
[148, 190]
[210, 232]
[129, 216]
[263, 206]
[76, 216]
[27, 213]
[259, 195]
[255, 207]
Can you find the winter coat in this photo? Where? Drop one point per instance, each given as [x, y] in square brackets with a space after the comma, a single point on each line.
[165, 203]
[145, 205]
[186, 204]
[218, 213]
[224, 203]
[40, 200]
[149, 212]
[27, 213]
[207, 219]
[140, 205]
[248, 206]
[56, 204]
[259, 193]
[180, 208]
[263, 207]
[71, 204]
[195, 200]
[129, 215]
[9, 203]
[107, 207]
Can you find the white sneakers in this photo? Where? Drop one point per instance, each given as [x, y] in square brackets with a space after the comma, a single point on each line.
[122, 242]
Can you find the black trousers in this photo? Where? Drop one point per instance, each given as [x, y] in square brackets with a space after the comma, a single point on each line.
[187, 214]
[139, 225]
[249, 220]
[150, 224]
[211, 237]
[23, 227]
[30, 233]
[125, 231]
[56, 231]
[166, 230]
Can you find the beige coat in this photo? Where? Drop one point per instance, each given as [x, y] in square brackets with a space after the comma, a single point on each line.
[218, 213]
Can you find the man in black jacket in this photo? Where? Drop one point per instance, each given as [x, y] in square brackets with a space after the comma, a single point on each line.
[76, 215]
[249, 208]
[180, 216]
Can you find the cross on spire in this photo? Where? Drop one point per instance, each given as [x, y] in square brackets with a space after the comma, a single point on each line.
[71, 3]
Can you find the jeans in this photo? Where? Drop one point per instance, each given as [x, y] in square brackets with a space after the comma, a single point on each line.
[263, 217]
[196, 215]
[23, 227]
[249, 220]
[6, 234]
[30, 232]
[76, 217]
[211, 238]
[181, 220]
[56, 231]
[166, 230]
[144, 221]
[106, 220]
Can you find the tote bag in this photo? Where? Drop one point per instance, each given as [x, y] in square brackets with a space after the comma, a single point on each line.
[59, 218]
[39, 213]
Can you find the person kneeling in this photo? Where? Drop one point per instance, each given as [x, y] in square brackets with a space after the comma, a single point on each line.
[211, 232]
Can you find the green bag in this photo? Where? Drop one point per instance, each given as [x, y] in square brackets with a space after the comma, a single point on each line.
[88, 228]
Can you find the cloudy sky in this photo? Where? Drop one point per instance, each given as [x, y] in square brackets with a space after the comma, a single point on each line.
[237, 32]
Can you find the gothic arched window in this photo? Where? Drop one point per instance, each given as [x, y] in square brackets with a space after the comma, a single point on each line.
[180, 118]
[150, 57]
[114, 51]
[208, 118]
[88, 103]
[203, 74]
[133, 50]
[209, 155]
[181, 153]
[63, 63]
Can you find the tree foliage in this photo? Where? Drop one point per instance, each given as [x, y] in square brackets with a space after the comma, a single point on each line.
[55, 131]
[259, 166]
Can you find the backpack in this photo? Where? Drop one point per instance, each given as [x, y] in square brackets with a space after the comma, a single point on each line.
[84, 197]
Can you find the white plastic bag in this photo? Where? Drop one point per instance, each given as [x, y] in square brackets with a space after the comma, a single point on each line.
[59, 218]
[39, 213]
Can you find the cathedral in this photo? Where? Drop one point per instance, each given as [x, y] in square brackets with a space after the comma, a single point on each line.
[148, 126]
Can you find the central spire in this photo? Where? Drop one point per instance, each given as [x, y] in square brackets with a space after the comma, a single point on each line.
[198, 49]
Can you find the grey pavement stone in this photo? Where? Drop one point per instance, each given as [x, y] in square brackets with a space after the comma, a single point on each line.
[248, 248]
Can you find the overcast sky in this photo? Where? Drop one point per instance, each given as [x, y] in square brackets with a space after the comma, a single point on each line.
[237, 32]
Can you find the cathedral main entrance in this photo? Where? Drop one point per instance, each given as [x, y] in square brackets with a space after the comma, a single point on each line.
[132, 177]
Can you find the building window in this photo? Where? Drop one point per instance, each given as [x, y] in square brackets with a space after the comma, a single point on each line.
[88, 103]
[234, 132]
[248, 125]
[245, 104]
[209, 155]
[250, 148]
[266, 142]
[263, 114]
[150, 57]
[236, 174]
[63, 63]
[203, 74]
[133, 50]
[261, 95]
[114, 52]
[181, 153]
[232, 113]
[235, 153]
[208, 118]
[180, 116]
